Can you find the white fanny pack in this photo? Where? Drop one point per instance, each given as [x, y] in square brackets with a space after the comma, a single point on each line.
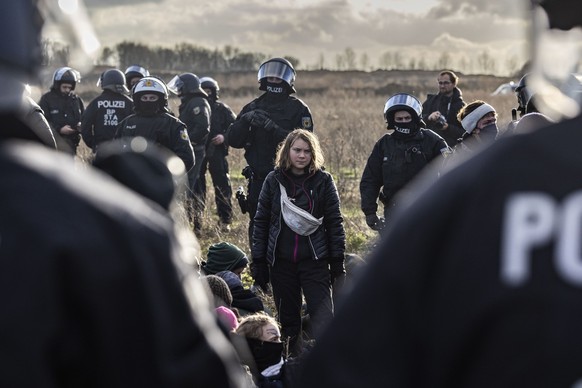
[299, 220]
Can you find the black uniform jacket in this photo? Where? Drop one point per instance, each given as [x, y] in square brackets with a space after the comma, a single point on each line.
[477, 284]
[164, 129]
[260, 145]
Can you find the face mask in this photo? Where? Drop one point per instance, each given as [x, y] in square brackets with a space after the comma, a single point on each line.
[265, 353]
[488, 133]
[276, 88]
[147, 108]
[405, 130]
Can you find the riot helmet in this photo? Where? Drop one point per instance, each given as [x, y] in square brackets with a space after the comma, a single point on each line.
[556, 35]
[403, 101]
[133, 74]
[65, 75]
[186, 84]
[150, 85]
[114, 80]
[278, 68]
[209, 83]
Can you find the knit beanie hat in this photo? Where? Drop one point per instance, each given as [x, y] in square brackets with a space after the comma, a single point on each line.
[224, 256]
[231, 279]
[219, 289]
[227, 316]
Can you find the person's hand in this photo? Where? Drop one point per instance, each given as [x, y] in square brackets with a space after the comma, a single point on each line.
[374, 222]
[434, 116]
[248, 117]
[337, 268]
[262, 119]
[260, 272]
[67, 130]
[217, 140]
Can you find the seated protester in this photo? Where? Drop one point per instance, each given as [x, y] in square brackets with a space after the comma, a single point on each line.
[227, 315]
[258, 342]
[244, 299]
[224, 256]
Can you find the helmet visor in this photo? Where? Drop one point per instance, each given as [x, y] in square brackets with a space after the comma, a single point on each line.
[404, 101]
[176, 85]
[278, 70]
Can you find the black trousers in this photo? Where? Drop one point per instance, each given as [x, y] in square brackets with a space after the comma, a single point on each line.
[217, 165]
[290, 282]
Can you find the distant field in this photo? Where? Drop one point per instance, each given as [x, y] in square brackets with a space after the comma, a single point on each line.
[348, 115]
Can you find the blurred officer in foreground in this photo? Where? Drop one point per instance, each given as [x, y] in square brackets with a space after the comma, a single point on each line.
[264, 123]
[93, 291]
[477, 283]
[63, 108]
[102, 116]
[215, 159]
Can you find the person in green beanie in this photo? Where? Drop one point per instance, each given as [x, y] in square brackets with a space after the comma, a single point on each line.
[224, 256]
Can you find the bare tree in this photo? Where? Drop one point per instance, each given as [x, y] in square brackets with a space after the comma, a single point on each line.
[350, 56]
[364, 61]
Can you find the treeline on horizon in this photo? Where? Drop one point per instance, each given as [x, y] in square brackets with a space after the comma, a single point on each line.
[231, 59]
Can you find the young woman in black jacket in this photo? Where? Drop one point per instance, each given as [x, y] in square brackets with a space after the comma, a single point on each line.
[300, 251]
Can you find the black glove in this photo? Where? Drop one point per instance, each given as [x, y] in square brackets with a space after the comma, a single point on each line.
[337, 268]
[262, 119]
[248, 117]
[260, 272]
[337, 272]
[374, 222]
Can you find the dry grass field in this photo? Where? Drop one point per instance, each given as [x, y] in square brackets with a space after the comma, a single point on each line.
[348, 115]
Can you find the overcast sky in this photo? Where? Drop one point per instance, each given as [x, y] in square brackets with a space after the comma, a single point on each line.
[313, 29]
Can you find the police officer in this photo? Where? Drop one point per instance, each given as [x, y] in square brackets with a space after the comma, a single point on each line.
[63, 108]
[476, 283]
[265, 122]
[151, 121]
[216, 151]
[194, 111]
[396, 158]
[133, 74]
[94, 263]
[102, 116]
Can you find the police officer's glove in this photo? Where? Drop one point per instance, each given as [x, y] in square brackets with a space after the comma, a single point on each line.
[260, 272]
[248, 117]
[374, 222]
[261, 119]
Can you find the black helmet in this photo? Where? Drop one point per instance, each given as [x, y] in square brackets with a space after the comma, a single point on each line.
[210, 84]
[279, 68]
[403, 101]
[66, 75]
[135, 71]
[114, 80]
[186, 83]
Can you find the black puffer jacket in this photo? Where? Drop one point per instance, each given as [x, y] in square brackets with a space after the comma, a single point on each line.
[327, 242]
